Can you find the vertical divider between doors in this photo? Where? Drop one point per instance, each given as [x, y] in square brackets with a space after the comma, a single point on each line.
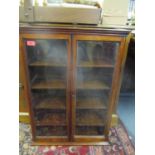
[73, 87]
[68, 100]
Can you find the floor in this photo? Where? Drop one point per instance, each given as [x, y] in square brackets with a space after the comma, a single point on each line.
[126, 112]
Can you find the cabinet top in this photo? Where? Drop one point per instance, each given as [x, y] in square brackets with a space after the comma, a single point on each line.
[68, 28]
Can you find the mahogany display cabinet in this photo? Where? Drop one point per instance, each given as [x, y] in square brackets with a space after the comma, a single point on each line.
[72, 81]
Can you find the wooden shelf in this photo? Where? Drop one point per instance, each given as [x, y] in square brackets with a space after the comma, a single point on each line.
[53, 84]
[51, 131]
[51, 103]
[87, 130]
[47, 63]
[92, 85]
[54, 119]
[90, 103]
[89, 119]
[96, 64]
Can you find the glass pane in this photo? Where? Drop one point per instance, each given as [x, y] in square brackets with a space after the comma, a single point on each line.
[47, 67]
[95, 66]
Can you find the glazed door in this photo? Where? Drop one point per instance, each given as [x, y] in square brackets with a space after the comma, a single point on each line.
[47, 60]
[95, 59]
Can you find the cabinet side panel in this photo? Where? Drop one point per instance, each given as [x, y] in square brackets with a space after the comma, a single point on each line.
[23, 105]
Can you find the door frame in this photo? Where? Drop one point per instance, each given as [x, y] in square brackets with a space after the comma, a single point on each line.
[114, 87]
[22, 50]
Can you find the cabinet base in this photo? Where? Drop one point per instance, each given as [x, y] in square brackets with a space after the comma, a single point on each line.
[78, 140]
[68, 143]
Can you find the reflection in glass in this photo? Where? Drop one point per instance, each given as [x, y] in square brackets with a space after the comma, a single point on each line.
[47, 67]
[95, 66]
